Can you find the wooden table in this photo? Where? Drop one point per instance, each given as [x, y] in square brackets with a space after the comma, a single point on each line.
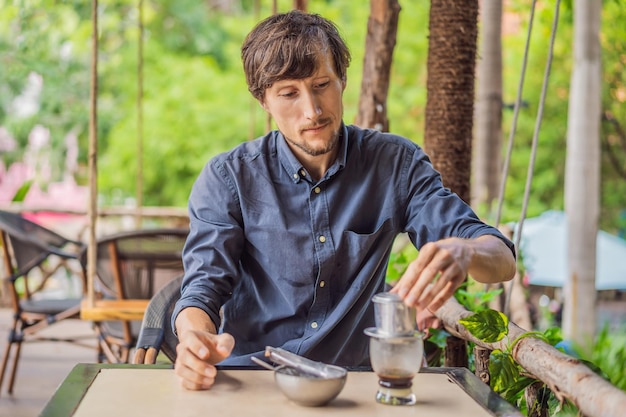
[95, 390]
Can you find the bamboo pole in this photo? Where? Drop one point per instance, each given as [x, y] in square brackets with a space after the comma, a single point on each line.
[567, 377]
[139, 186]
[92, 211]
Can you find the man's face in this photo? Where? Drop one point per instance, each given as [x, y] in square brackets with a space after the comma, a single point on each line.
[308, 111]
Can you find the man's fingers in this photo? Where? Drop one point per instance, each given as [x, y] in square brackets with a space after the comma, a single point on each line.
[193, 380]
[428, 282]
[434, 276]
[439, 288]
[224, 346]
[195, 373]
[442, 296]
[197, 354]
[414, 272]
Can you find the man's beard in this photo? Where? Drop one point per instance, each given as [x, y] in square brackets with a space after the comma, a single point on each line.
[330, 146]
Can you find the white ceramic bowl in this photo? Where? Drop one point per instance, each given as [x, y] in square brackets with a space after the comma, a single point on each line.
[308, 390]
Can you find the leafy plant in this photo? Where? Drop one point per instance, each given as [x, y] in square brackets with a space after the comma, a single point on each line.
[398, 262]
[510, 380]
[475, 300]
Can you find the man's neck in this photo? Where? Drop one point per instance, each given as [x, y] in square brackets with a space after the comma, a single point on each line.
[317, 166]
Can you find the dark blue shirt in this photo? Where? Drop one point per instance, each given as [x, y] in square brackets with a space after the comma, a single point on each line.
[295, 262]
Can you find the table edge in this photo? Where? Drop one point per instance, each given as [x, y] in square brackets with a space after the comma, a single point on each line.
[74, 387]
[482, 393]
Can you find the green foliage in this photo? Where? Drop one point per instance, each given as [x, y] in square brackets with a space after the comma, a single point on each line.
[507, 376]
[609, 356]
[487, 325]
[40, 39]
[398, 262]
[196, 103]
[502, 368]
[510, 380]
[473, 299]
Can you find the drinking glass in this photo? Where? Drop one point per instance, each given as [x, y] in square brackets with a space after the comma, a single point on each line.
[396, 361]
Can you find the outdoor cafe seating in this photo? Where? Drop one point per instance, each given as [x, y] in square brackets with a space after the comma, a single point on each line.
[132, 265]
[32, 255]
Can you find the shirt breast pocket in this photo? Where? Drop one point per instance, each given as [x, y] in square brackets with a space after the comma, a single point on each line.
[362, 256]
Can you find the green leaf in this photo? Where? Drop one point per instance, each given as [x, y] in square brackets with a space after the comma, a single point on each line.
[20, 194]
[553, 335]
[473, 300]
[503, 370]
[489, 326]
[513, 393]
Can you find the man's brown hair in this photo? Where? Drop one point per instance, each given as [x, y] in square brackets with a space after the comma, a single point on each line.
[288, 46]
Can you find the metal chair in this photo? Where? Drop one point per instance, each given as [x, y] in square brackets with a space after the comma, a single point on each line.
[28, 250]
[133, 265]
[156, 333]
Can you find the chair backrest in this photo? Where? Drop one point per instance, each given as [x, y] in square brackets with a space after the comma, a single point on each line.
[31, 243]
[135, 264]
[156, 328]
[26, 248]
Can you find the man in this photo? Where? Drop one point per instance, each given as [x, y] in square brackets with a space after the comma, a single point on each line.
[290, 234]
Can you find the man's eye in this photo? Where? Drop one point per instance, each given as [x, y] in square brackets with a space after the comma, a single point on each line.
[289, 94]
[323, 85]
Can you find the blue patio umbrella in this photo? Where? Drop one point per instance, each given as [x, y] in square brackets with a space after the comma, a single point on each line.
[544, 250]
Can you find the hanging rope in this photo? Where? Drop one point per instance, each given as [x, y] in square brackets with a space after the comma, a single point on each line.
[533, 155]
[518, 103]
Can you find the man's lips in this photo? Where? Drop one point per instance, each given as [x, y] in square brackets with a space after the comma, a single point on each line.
[314, 129]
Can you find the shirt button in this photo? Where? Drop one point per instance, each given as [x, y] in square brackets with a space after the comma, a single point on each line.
[296, 176]
[322, 239]
[302, 173]
[322, 283]
[317, 190]
[314, 325]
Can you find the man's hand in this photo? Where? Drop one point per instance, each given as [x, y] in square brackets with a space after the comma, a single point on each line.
[199, 349]
[197, 353]
[426, 320]
[442, 266]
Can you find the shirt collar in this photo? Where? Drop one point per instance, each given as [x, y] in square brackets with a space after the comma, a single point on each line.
[294, 168]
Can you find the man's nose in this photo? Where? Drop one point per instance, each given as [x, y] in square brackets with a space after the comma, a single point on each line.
[311, 105]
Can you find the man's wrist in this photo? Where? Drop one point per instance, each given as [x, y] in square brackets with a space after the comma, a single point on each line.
[193, 318]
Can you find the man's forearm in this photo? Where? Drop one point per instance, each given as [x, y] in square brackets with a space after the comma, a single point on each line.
[492, 260]
[193, 318]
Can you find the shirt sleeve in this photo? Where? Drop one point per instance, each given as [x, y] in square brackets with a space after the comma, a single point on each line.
[213, 248]
[433, 212]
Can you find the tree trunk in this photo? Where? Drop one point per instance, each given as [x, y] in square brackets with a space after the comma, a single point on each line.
[382, 27]
[300, 5]
[567, 377]
[582, 175]
[488, 138]
[450, 104]
[450, 91]
[456, 353]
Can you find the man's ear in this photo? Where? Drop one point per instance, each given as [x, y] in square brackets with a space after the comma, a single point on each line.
[262, 103]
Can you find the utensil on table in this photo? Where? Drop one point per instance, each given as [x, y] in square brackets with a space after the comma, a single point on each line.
[302, 380]
[304, 365]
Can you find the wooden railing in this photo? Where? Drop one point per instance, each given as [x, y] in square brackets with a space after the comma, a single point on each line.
[113, 218]
[567, 377]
